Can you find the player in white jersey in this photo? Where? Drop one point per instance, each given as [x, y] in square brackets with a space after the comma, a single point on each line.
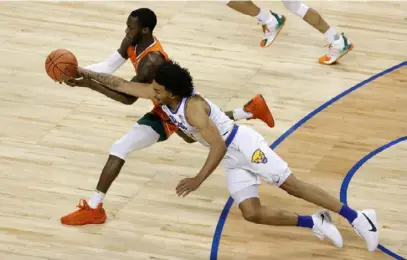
[246, 155]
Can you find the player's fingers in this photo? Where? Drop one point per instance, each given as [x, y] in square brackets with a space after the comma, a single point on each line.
[70, 83]
[179, 187]
[182, 190]
[186, 193]
[179, 192]
[180, 184]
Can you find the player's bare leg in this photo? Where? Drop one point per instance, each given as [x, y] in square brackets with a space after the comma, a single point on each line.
[111, 170]
[313, 194]
[91, 211]
[320, 223]
[253, 211]
[364, 222]
[339, 45]
[271, 22]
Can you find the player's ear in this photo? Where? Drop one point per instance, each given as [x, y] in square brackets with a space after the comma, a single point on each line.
[145, 30]
[172, 96]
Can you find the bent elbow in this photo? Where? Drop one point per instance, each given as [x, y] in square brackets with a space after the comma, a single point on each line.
[223, 147]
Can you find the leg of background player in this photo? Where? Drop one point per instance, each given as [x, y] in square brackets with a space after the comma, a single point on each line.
[272, 23]
[339, 44]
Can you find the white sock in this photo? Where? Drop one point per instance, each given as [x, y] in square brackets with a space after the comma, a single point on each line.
[96, 198]
[331, 35]
[265, 17]
[239, 113]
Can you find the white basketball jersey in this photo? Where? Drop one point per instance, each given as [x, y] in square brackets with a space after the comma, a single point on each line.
[221, 120]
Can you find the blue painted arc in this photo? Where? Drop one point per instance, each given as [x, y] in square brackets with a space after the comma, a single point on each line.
[222, 219]
[352, 172]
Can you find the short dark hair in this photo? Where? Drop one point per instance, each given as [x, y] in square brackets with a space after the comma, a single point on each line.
[146, 17]
[175, 79]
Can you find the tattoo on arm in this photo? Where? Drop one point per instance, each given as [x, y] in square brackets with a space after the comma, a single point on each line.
[117, 96]
[108, 80]
[140, 90]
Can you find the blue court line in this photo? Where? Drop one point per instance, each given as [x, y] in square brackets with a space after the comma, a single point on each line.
[354, 169]
[222, 219]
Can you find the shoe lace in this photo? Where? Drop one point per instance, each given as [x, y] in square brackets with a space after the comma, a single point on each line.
[81, 204]
[265, 28]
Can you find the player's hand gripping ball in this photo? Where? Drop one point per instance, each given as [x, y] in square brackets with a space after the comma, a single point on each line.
[61, 65]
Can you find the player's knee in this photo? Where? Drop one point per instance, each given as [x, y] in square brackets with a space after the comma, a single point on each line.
[118, 149]
[252, 215]
[296, 7]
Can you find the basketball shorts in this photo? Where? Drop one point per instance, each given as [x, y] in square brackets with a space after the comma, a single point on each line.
[249, 160]
[156, 123]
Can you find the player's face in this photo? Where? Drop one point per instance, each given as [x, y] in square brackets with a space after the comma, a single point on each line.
[161, 95]
[133, 30]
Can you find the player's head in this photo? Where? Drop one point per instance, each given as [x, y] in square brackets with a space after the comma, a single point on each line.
[140, 23]
[172, 82]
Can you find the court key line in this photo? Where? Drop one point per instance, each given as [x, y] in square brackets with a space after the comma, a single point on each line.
[222, 219]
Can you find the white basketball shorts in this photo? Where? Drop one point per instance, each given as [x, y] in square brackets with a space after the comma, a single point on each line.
[249, 159]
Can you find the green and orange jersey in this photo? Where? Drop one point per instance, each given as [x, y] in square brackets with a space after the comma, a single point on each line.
[169, 127]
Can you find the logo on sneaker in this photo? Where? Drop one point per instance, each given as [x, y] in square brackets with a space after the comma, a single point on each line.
[323, 218]
[374, 229]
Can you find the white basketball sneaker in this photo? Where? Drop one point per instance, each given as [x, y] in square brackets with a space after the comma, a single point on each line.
[271, 32]
[337, 50]
[366, 227]
[323, 227]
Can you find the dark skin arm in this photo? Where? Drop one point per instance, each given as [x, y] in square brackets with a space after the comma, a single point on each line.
[96, 86]
[145, 73]
[197, 113]
[148, 67]
[123, 47]
[185, 137]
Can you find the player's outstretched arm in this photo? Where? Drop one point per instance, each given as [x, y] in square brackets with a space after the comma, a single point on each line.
[136, 89]
[96, 86]
[198, 115]
[117, 96]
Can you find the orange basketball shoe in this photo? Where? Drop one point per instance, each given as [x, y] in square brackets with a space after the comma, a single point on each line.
[258, 107]
[85, 215]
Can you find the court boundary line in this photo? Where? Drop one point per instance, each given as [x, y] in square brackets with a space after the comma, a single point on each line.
[353, 171]
[222, 218]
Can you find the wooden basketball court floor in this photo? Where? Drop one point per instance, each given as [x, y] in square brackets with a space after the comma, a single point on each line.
[340, 127]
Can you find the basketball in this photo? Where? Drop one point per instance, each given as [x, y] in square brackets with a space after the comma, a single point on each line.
[61, 64]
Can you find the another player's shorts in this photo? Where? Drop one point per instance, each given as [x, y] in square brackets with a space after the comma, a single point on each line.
[156, 123]
[248, 160]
